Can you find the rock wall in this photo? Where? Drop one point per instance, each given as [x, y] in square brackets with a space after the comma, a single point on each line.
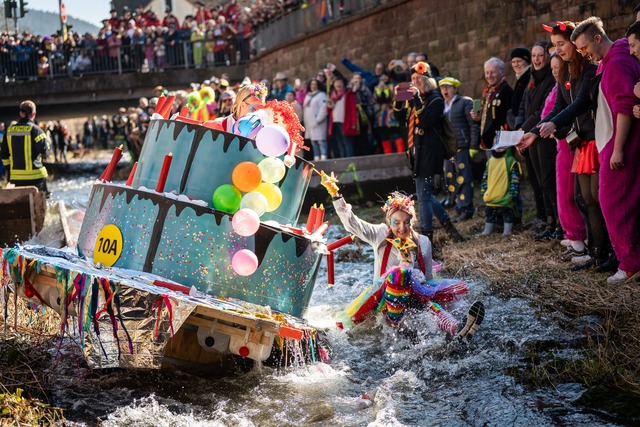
[457, 35]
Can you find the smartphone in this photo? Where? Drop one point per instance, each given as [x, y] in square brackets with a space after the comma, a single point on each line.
[477, 106]
[404, 94]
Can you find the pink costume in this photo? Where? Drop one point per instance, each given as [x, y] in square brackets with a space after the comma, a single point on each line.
[620, 188]
[568, 212]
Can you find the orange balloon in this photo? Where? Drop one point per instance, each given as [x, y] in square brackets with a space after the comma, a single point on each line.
[246, 176]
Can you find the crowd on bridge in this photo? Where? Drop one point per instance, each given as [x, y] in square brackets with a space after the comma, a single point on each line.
[140, 40]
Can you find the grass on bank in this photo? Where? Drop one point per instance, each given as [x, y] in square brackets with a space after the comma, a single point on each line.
[25, 342]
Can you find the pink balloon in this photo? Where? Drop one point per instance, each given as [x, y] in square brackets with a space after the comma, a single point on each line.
[246, 222]
[272, 140]
[244, 262]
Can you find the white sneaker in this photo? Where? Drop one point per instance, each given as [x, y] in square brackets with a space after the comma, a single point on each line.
[565, 242]
[620, 277]
[580, 259]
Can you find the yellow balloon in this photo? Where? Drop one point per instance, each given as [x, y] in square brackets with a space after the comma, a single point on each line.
[272, 194]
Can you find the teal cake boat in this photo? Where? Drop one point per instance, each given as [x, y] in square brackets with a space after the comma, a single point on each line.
[156, 268]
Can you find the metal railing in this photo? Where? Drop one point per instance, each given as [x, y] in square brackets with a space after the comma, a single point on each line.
[23, 65]
[307, 19]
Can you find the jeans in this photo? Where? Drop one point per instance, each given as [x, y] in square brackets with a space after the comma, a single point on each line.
[428, 205]
[320, 148]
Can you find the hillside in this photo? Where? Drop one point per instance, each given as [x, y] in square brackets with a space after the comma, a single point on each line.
[40, 22]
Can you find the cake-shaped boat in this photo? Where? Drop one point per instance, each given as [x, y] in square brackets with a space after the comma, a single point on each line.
[174, 268]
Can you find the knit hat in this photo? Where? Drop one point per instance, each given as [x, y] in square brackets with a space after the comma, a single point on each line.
[449, 81]
[521, 52]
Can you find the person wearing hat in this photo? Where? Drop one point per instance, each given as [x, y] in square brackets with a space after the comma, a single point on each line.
[402, 266]
[520, 58]
[423, 117]
[280, 87]
[114, 20]
[458, 173]
[23, 148]
[202, 14]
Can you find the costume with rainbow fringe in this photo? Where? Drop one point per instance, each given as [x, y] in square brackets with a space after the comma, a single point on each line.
[403, 272]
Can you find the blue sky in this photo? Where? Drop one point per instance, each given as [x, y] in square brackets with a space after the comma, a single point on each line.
[93, 11]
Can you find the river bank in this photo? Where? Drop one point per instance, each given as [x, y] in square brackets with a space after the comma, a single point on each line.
[599, 324]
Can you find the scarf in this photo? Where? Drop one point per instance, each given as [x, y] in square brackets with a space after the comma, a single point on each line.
[488, 95]
[404, 247]
[335, 97]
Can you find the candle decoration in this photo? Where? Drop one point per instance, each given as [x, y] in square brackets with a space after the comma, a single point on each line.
[311, 220]
[164, 172]
[340, 242]
[111, 167]
[330, 271]
[132, 174]
[319, 218]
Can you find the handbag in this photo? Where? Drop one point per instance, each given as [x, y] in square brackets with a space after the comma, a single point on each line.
[573, 139]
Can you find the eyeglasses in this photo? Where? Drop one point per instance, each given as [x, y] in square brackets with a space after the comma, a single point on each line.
[583, 50]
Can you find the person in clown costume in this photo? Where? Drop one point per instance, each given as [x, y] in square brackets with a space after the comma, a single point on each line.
[403, 278]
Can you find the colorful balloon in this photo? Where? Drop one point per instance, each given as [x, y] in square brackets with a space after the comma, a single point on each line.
[227, 198]
[255, 201]
[245, 222]
[248, 126]
[272, 194]
[244, 262]
[272, 169]
[272, 140]
[246, 176]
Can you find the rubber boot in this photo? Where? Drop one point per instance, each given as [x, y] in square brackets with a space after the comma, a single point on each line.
[488, 229]
[399, 145]
[508, 227]
[386, 146]
[452, 232]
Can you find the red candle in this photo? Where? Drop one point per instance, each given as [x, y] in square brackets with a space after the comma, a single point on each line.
[160, 104]
[111, 167]
[131, 174]
[330, 272]
[184, 111]
[322, 229]
[162, 179]
[166, 108]
[340, 242]
[319, 218]
[311, 221]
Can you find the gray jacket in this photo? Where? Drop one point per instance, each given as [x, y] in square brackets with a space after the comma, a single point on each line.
[466, 129]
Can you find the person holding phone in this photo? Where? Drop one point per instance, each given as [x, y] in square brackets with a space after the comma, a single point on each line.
[423, 116]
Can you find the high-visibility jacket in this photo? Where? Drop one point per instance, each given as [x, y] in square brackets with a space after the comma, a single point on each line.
[23, 147]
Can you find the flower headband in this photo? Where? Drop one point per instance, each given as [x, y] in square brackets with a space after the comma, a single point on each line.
[421, 68]
[397, 201]
[259, 91]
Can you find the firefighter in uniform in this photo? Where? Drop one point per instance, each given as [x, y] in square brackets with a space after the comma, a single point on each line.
[23, 147]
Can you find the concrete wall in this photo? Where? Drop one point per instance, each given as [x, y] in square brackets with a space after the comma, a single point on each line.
[458, 35]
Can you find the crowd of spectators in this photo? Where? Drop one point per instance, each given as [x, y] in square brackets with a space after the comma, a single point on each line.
[142, 41]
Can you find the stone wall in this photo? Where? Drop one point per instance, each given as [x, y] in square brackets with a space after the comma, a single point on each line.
[458, 35]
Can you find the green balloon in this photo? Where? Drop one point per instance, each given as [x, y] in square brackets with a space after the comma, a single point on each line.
[227, 198]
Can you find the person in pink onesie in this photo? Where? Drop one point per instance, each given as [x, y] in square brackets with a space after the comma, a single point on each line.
[570, 218]
[617, 140]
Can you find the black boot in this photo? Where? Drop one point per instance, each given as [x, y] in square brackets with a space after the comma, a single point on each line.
[610, 265]
[545, 234]
[452, 231]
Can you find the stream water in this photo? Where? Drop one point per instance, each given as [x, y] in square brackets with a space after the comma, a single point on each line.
[423, 381]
